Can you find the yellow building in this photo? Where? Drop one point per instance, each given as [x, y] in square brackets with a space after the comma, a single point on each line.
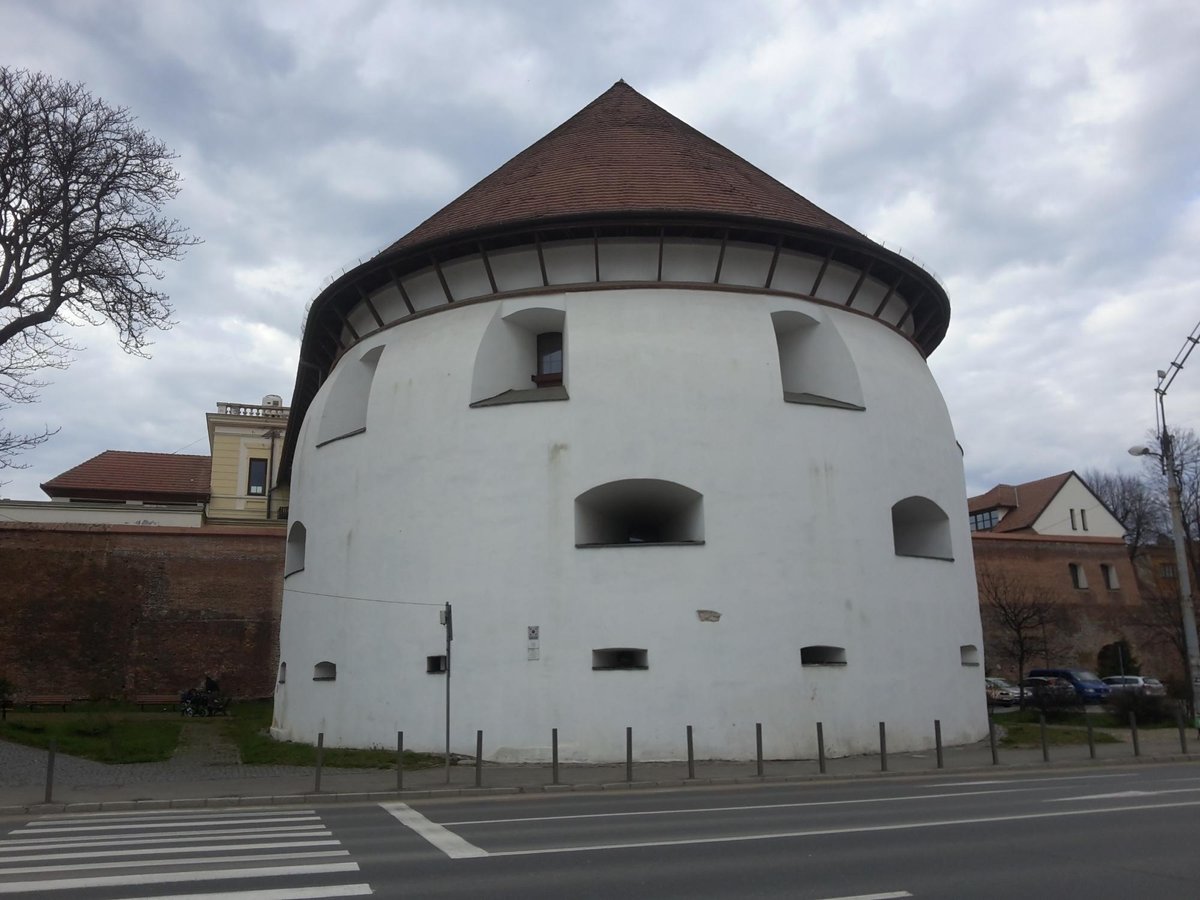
[246, 441]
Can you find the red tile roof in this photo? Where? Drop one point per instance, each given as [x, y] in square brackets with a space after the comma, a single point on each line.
[126, 475]
[621, 154]
[1024, 502]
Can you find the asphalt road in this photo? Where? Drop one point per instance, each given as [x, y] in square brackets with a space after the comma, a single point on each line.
[1091, 834]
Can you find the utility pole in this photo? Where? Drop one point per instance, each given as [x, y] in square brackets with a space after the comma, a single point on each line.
[448, 621]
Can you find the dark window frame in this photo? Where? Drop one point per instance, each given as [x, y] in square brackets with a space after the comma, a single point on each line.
[549, 359]
[259, 463]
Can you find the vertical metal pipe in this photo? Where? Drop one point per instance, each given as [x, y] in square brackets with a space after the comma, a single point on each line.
[937, 739]
[53, 749]
[992, 741]
[320, 760]
[479, 758]
[1182, 729]
[554, 756]
[882, 747]
[1045, 744]
[399, 760]
[1091, 740]
[691, 754]
[628, 753]
[1133, 731]
[821, 747]
[758, 746]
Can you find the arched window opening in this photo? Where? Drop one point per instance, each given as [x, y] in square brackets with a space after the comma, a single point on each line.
[814, 362]
[822, 655]
[325, 671]
[293, 556]
[521, 358]
[920, 528]
[969, 655]
[637, 512]
[620, 658]
[1078, 579]
[283, 673]
[345, 412]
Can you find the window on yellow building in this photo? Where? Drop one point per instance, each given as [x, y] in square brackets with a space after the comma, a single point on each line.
[256, 481]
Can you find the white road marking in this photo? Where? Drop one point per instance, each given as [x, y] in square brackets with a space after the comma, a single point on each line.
[165, 837]
[178, 813]
[893, 895]
[944, 784]
[1121, 794]
[303, 893]
[158, 851]
[446, 841]
[60, 829]
[834, 831]
[746, 808]
[151, 863]
[78, 884]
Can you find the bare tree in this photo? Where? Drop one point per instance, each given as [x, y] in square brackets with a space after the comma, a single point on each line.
[1186, 450]
[81, 231]
[1024, 622]
[1136, 504]
[1161, 623]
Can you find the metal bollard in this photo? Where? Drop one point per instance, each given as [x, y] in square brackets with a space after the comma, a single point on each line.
[1133, 731]
[320, 759]
[629, 753]
[992, 741]
[937, 739]
[821, 747]
[1182, 729]
[478, 759]
[691, 755]
[399, 760]
[882, 747]
[50, 769]
[1091, 740]
[758, 747]
[554, 756]
[1045, 744]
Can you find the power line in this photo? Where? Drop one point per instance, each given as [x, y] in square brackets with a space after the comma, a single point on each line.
[366, 599]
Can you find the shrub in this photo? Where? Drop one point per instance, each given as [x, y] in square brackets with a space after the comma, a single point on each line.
[1148, 709]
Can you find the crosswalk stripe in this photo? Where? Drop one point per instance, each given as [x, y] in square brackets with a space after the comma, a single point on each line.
[76, 884]
[198, 813]
[302, 893]
[157, 851]
[55, 829]
[151, 863]
[447, 841]
[79, 840]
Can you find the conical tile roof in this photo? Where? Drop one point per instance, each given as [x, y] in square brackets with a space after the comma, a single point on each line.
[621, 154]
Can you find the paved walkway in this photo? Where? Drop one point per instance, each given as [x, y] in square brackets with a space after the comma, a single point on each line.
[206, 772]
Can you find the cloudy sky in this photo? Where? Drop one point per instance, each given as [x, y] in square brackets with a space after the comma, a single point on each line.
[1041, 158]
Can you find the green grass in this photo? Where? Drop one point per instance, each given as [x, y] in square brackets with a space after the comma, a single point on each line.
[103, 735]
[1026, 735]
[248, 728]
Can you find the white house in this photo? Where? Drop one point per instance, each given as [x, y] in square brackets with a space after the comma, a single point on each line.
[662, 434]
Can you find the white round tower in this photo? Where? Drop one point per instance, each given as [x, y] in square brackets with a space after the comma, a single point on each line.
[661, 434]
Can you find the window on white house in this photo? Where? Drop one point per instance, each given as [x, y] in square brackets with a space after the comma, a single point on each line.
[620, 658]
[1083, 519]
[549, 359]
[293, 555]
[1078, 579]
[1073, 527]
[256, 478]
[523, 346]
[435, 665]
[1110, 576]
[822, 655]
[325, 671]
[921, 528]
[638, 511]
[345, 412]
[814, 364]
[968, 655]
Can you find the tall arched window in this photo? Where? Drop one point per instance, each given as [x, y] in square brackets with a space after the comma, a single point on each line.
[293, 558]
[814, 362]
[345, 412]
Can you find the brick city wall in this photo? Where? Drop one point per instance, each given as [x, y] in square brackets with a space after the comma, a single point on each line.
[1091, 616]
[96, 611]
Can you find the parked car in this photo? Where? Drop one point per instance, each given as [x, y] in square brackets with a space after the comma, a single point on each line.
[1088, 688]
[1001, 693]
[1151, 687]
[1046, 692]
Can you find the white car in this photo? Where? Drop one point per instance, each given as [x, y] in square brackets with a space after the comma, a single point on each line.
[1139, 684]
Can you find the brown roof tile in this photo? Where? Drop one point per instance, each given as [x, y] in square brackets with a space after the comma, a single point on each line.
[621, 154]
[127, 475]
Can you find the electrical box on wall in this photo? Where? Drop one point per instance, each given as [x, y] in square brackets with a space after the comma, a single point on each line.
[533, 648]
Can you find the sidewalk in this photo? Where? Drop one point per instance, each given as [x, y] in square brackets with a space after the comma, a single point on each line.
[208, 777]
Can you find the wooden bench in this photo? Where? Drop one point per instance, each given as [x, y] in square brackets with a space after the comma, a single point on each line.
[46, 700]
[169, 701]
